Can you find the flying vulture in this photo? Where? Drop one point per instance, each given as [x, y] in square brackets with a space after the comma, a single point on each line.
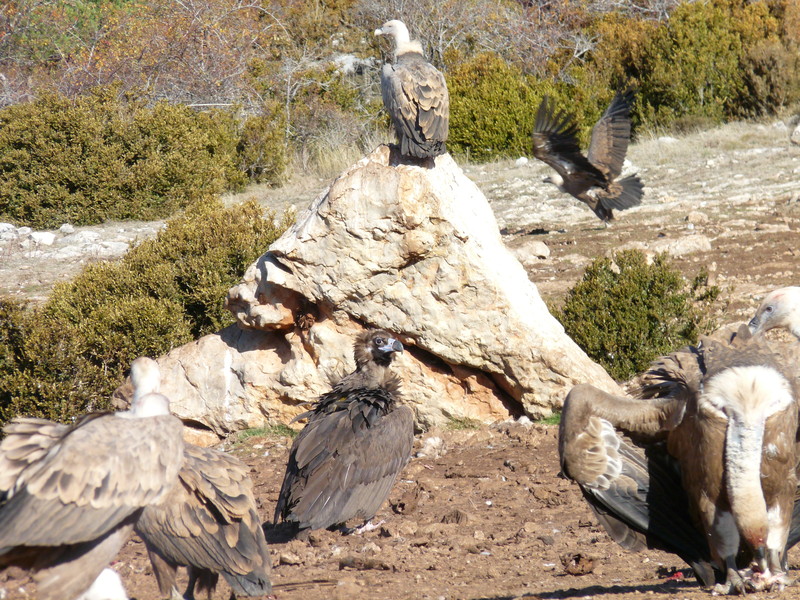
[208, 522]
[415, 96]
[344, 462]
[708, 472]
[780, 309]
[72, 493]
[592, 179]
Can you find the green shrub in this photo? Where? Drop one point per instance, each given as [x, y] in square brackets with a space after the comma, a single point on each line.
[68, 355]
[624, 313]
[262, 149]
[96, 158]
[492, 109]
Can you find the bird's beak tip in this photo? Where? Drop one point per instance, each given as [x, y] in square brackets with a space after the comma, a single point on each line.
[379, 31]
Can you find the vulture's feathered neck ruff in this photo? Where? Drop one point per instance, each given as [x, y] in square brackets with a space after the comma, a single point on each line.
[403, 44]
[781, 308]
[374, 351]
[146, 380]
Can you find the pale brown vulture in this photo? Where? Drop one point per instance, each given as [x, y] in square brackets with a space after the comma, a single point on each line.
[415, 96]
[344, 462]
[780, 309]
[710, 472]
[71, 494]
[208, 523]
[592, 179]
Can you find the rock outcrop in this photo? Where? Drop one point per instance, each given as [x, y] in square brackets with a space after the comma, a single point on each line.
[413, 250]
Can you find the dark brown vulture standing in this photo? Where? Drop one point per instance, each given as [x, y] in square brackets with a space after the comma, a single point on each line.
[344, 462]
[592, 179]
[208, 523]
[780, 309]
[415, 96]
[714, 459]
[71, 494]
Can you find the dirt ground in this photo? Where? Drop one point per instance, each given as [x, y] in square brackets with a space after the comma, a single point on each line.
[485, 516]
[489, 518]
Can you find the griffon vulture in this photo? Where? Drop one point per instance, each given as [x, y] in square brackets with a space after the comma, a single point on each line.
[592, 179]
[208, 522]
[71, 494]
[713, 458]
[344, 462]
[781, 308]
[415, 96]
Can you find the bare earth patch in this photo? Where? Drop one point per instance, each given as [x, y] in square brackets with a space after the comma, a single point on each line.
[490, 518]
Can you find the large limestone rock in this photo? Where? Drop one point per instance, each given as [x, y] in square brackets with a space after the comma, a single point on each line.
[409, 249]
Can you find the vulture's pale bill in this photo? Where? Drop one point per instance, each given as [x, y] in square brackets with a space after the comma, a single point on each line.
[415, 96]
[71, 494]
[208, 523]
[714, 460]
[344, 462]
[592, 179]
[780, 309]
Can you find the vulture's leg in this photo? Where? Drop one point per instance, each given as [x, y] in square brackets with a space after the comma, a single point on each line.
[165, 573]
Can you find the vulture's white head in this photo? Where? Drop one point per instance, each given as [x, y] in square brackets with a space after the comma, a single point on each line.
[146, 380]
[781, 308]
[556, 180]
[399, 32]
[107, 586]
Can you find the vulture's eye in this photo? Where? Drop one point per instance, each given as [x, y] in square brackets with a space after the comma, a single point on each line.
[379, 341]
[768, 308]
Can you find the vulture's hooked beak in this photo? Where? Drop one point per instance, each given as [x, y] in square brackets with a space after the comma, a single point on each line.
[391, 345]
[379, 31]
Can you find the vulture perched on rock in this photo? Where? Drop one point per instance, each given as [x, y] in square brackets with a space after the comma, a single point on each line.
[708, 472]
[780, 309]
[208, 523]
[72, 493]
[344, 462]
[592, 179]
[415, 96]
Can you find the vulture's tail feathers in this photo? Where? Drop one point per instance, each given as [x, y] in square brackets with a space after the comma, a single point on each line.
[630, 194]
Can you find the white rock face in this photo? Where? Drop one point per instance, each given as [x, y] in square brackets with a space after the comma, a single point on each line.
[415, 251]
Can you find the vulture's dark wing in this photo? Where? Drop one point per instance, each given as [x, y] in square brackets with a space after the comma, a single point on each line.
[344, 462]
[210, 522]
[555, 142]
[92, 480]
[89, 479]
[636, 493]
[611, 136]
[416, 97]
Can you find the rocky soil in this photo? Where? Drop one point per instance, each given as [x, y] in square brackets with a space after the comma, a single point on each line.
[482, 514]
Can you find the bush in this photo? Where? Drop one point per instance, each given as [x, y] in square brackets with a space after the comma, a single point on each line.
[67, 356]
[492, 109]
[626, 313]
[96, 158]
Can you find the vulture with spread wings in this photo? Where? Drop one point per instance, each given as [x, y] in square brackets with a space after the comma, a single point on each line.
[709, 469]
[592, 179]
[70, 494]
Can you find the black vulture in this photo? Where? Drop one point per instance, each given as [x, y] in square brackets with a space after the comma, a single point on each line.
[592, 179]
[344, 462]
[415, 96]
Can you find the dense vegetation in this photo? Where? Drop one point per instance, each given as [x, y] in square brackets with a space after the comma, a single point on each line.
[309, 71]
[625, 312]
[68, 355]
